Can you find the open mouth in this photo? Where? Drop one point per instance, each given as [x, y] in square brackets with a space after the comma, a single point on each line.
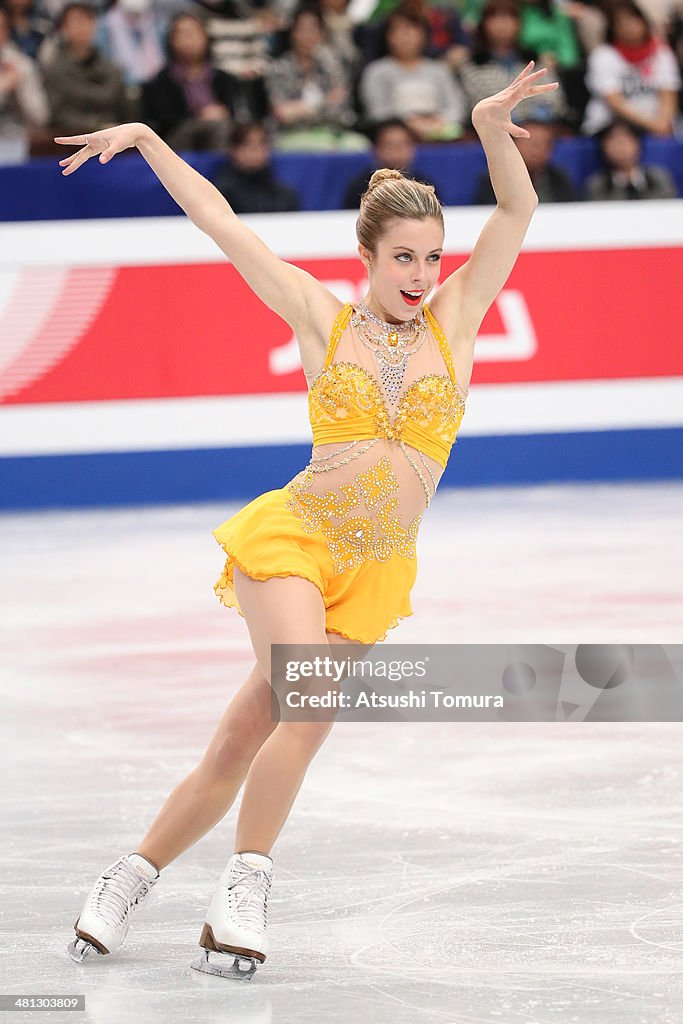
[412, 298]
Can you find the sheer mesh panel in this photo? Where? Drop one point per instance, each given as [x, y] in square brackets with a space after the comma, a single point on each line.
[368, 496]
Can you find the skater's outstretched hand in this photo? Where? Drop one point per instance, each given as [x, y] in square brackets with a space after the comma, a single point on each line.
[107, 143]
[495, 110]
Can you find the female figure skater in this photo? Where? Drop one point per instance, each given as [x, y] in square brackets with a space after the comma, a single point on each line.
[330, 558]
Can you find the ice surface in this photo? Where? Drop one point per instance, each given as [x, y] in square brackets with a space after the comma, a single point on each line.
[517, 873]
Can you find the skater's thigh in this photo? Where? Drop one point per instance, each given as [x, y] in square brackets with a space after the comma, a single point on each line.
[287, 610]
[280, 610]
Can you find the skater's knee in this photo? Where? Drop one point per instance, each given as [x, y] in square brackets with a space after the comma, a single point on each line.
[305, 738]
[234, 748]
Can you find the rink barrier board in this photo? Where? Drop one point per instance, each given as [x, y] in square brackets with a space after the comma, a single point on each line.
[120, 382]
[239, 474]
[128, 187]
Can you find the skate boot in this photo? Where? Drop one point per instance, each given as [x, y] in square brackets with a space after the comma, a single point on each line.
[105, 918]
[234, 936]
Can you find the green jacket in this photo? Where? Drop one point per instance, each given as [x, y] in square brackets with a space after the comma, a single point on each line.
[554, 34]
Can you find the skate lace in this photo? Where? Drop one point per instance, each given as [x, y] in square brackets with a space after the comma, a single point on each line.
[250, 890]
[116, 893]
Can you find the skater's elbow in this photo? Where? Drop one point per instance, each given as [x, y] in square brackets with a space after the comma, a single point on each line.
[210, 214]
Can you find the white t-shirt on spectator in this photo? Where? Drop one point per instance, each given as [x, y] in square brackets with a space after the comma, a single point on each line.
[639, 84]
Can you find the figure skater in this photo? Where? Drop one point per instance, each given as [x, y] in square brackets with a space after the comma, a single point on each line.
[330, 558]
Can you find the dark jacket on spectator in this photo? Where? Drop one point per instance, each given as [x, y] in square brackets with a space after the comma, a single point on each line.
[551, 186]
[163, 106]
[650, 183]
[256, 191]
[84, 95]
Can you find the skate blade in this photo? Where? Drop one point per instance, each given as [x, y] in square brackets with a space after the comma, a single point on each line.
[225, 965]
[79, 949]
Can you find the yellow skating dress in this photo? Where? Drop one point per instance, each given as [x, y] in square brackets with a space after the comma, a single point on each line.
[349, 521]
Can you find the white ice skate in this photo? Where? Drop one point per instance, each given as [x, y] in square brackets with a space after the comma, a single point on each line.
[234, 936]
[105, 919]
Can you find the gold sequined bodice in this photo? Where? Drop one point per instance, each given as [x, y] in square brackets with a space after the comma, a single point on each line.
[375, 465]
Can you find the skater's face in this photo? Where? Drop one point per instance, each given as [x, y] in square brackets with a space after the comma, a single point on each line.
[408, 259]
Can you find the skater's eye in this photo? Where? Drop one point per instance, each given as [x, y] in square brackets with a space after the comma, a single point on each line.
[435, 257]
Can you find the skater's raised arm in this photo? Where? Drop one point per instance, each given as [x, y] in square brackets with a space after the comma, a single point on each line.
[466, 294]
[289, 291]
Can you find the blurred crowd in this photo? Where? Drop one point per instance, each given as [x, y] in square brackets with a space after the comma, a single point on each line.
[374, 76]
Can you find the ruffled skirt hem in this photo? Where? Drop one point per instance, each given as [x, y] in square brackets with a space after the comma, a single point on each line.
[265, 540]
[224, 587]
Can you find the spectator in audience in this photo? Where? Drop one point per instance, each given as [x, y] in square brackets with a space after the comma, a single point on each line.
[393, 145]
[131, 35]
[675, 38]
[497, 59]
[28, 27]
[624, 176]
[406, 84]
[339, 31]
[633, 76]
[23, 104]
[86, 91]
[659, 14]
[551, 183]
[549, 31]
[238, 33]
[446, 37]
[589, 20]
[189, 103]
[248, 183]
[310, 91]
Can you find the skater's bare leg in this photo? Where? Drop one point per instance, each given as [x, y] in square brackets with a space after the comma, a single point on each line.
[275, 777]
[288, 610]
[207, 793]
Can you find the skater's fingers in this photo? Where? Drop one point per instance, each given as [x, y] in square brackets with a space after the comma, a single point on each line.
[521, 75]
[71, 140]
[109, 152]
[78, 161]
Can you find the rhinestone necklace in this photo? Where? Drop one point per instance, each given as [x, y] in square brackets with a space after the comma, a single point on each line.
[389, 348]
[392, 338]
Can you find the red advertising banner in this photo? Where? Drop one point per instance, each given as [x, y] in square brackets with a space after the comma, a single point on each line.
[183, 330]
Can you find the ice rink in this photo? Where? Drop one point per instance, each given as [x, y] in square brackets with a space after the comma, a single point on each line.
[431, 872]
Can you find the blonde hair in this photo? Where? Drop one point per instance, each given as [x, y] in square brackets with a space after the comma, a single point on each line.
[390, 196]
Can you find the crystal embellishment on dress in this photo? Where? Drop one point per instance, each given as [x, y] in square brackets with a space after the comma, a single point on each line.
[361, 516]
[391, 351]
[355, 539]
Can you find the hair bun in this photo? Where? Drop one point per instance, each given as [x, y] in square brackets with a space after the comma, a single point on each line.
[383, 174]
